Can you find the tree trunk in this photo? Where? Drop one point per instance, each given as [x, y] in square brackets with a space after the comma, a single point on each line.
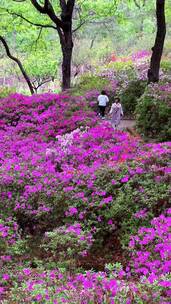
[157, 50]
[63, 25]
[66, 65]
[67, 47]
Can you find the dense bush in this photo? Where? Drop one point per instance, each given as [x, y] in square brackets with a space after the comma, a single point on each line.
[119, 193]
[154, 112]
[121, 65]
[131, 94]
[124, 68]
[90, 82]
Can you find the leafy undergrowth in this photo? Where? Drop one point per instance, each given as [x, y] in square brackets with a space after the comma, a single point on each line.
[154, 111]
[76, 196]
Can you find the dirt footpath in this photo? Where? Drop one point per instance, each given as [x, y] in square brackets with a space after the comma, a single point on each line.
[126, 123]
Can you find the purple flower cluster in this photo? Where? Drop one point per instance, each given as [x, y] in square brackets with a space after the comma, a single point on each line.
[152, 257]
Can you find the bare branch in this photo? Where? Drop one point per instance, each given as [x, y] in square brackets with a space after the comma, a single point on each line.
[81, 21]
[26, 77]
[29, 21]
[37, 83]
[40, 8]
[37, 39]
[137, 4]
[47, 9]
[92, 42]
[79, 26]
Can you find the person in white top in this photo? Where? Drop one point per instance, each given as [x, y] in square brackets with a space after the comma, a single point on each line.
[102, 103]
[116, 111]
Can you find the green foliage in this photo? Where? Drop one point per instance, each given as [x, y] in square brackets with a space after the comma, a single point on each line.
[64, 245]
[166, 66]
[113, 269]
[89, 50]
[153, 114]
[130, 96]
[121, 65]
[41, 67]
[11, 242]
[5, 91]
[19, 248]
[38, 49]
[90, 82]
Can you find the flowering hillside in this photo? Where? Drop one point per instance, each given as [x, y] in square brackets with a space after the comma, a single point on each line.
[85, 212]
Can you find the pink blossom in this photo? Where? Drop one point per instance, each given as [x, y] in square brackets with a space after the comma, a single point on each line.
[5, 277]
[27, 271]
[125, 179]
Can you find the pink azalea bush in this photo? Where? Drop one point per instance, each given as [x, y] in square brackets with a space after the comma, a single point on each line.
[67, 181]
[154, 257]
[151, 265]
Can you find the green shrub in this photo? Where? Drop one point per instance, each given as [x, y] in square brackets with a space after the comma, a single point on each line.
[121, 65]
[130, 96]
[153, 114]
[5, 91]
[166, 66]
[65, 244]
[90, 82]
